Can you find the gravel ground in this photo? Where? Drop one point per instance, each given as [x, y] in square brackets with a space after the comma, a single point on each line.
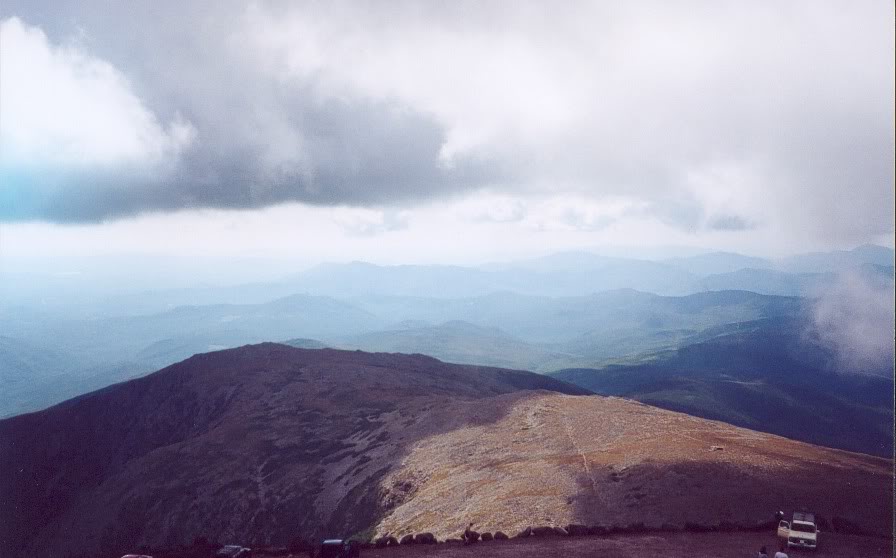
[671, 545]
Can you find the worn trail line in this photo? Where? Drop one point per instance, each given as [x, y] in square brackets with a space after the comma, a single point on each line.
[575, 445]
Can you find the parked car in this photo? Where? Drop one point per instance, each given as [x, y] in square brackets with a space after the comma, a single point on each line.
[233, 551]
[338, 548]
[801, 532]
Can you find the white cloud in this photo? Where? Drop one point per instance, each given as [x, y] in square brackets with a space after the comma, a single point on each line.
[854, 317]
[717, 115]
[62, 108]
[363, 221]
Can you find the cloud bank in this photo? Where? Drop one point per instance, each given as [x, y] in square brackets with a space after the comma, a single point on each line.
[722, 116]
[855, 319]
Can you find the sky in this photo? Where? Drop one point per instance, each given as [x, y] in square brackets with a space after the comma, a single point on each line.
[441, 132]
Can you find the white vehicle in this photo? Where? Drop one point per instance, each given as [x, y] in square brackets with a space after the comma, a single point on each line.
[801, 532]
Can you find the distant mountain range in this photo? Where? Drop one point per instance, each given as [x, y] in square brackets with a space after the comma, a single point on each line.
[558, 275]
[583, 273]
[265, 443]
[507, 329]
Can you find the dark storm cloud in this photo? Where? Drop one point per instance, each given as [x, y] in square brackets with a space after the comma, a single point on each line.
[352, 153]
[261, 141]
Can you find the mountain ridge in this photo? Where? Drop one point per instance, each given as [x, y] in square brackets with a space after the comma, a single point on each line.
[267, 442]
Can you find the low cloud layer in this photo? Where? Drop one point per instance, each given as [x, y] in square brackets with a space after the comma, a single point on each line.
[854, 317]
[723, 116]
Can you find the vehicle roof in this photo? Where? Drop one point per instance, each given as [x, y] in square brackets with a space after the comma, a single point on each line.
[333, 541]
[804, 516]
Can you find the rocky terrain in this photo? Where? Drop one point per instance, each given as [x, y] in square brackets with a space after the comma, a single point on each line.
[652, 545]
[264, 443]
[553, 460]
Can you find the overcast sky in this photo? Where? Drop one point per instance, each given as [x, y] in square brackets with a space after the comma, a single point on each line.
[442, 131]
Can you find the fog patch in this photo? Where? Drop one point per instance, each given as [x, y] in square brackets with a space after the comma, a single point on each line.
[854, 317]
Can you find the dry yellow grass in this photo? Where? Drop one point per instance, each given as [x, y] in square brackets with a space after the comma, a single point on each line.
[554, 459]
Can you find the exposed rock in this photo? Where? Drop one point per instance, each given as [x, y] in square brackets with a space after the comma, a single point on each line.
[499, 536]
[407, 539]
[527, 532]
[425, 538]
[486, 537]
[544, 532]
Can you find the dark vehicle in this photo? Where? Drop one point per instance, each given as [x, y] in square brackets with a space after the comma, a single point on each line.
[338, 548]
[233, 551]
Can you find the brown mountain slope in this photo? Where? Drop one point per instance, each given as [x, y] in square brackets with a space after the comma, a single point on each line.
[266, 442]
[255, 444]
[555, 459]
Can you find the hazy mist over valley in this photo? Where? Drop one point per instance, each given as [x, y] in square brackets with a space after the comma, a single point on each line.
[274, 273]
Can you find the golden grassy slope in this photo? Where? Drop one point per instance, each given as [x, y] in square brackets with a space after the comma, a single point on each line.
[555, 459]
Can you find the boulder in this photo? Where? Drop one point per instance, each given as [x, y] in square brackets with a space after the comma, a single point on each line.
[453, 541]
[500, 536]
[527, 532]
[425, 538]
[391, 541]
[544, 532]
[486, 537]
[407, 539]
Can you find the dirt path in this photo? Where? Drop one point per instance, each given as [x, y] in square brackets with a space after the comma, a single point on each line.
[659, 545]
[595, 493]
